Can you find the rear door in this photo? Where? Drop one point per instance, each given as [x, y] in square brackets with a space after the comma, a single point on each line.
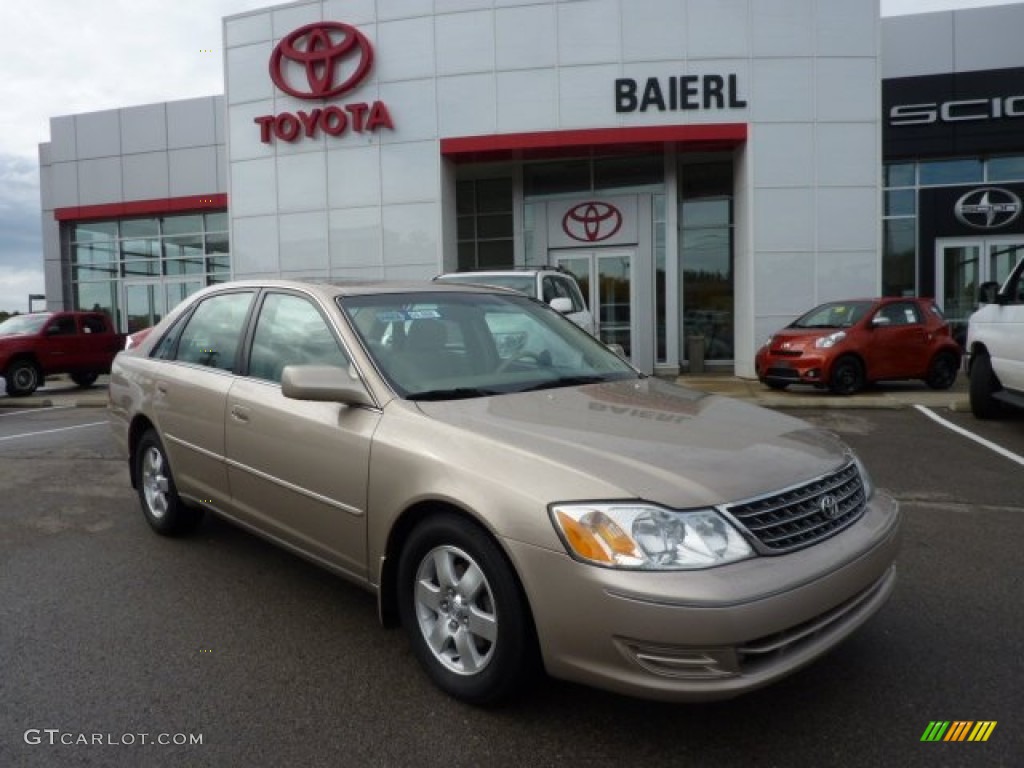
[190, 388]
[299, 470]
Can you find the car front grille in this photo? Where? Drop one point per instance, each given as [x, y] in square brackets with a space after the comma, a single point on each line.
[804, 515]
[787, 352]
[790, 374]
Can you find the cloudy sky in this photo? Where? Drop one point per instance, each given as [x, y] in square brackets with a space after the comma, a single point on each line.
[68, 56]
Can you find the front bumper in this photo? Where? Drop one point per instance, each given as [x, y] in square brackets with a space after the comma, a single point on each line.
[711, 634]
[793, 369]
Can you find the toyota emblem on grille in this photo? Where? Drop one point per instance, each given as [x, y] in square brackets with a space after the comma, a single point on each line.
[829, 506]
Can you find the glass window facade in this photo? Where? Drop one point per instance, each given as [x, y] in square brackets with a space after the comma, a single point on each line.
[902, 182]
[484, 223]
[165, 258]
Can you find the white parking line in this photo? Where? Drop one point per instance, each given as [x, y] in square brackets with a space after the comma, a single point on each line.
[51, 431]
[971, 436]
[47, 409]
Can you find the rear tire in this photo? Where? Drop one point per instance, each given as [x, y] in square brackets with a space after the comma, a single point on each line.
[942, 371]
[165, 512]
[983, 385]
[23, 377]
[84, 380]
[464, 611]
[847, 376]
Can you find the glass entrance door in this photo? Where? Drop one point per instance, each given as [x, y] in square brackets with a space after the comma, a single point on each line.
[962, 265]
[606, 279]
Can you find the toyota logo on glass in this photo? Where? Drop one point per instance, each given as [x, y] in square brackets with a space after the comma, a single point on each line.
[317, 62]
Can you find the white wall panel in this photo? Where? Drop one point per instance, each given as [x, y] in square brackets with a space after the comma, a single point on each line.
[466, 105]
[411, 234]
[585, 95]
[98, 134]
[304, 242]
[464, 42]
[527, 100]
[413, 107]
[845, 28]
[191, 123]
[254, 246]
[254, 188]
[99, 181]
[919, 44]
[784, 156]
[989, 38]
[247, 76]
[289, 18]
[845, 154]
[651, 30]
[450, 6]
[782, 90]
[62, 139]
[525, 38]
[64, 180]
[588, 32]
[410, 172]
[847, 274]
[143, 129]
[351, 11]
[843, 216]
[405, 49]
[193, 171]
[782, 29]
[353, 177]
[305, 179]
[846, 89]
[243, 30]
[783, 220]
[244, 138]
[717, 28]
[400, 9]
[355, 238]
[785, 287]
[146, 176]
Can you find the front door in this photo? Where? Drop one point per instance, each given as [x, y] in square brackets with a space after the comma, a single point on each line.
[606, 279]
[963, 264]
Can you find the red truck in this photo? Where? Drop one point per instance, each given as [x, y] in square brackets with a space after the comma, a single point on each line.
[39, 344]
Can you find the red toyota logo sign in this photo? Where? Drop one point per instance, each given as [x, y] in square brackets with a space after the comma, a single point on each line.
[592, 222]
[321, 49]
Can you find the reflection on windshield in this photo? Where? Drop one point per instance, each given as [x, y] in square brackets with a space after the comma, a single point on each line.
[839, 314]
[446, 346]
[23, 324]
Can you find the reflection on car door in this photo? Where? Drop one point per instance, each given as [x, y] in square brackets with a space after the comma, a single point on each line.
[190, 393]
[901, 347]
[298, 470]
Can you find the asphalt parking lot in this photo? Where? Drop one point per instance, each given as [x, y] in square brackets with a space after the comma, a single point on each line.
[108, 629]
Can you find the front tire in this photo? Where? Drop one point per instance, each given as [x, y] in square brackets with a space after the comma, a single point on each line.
[942, 371]
[22, 378]
[165, 512]
[464, 612]
[85, 380]
[983, 385]
[847, 376]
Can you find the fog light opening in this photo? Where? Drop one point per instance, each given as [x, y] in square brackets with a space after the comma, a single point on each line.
[689, 663]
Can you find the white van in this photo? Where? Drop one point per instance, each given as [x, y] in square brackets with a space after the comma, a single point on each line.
[995, 347]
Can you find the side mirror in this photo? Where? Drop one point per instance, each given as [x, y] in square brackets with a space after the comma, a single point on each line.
[562, 305]
[323, 383]
[988, 293]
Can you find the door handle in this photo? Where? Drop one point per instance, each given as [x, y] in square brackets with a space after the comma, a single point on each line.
[239, 413]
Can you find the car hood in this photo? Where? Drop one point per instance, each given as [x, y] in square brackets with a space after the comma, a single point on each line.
[650, 439]
[800, 338]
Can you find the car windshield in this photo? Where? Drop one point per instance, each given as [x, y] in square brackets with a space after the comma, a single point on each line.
[523, 283]
[836, 314]
[445, 346]
[23, 324]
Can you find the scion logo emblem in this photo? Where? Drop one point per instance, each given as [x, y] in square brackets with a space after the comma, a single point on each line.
[592, 222]
[829, 506]
[321, 49]
[988, 208]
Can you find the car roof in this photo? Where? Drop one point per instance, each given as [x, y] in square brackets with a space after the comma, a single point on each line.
[330, 289]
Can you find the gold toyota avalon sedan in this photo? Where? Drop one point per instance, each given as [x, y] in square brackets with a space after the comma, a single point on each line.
[513, 492]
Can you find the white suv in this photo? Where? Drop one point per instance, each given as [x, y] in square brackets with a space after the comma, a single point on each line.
[995, 346]
[551, 285]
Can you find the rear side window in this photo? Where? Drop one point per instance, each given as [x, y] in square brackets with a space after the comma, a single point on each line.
[213, 332]
[93, 324]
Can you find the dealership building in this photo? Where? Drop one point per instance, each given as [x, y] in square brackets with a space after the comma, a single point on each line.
[706, 168]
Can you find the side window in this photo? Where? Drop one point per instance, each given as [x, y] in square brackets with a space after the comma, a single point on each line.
[291, 331]
[901, 313]
[93, 324]
[211, 336]
[62, 326]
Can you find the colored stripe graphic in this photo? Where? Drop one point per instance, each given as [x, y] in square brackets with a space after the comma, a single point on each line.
[959, 730]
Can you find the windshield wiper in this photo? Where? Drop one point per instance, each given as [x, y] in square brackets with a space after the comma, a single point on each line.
[566, 381]
[458, 393]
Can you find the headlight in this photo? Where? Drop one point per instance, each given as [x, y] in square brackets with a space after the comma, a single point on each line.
[865, 478]
[645, 537]
[831, 340]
